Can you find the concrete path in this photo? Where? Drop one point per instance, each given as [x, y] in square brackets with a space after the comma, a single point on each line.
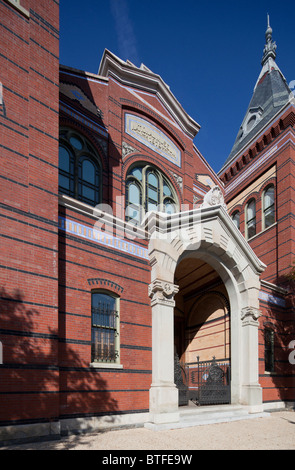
[273, 432]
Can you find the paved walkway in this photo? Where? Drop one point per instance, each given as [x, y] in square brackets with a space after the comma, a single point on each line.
[274, 432]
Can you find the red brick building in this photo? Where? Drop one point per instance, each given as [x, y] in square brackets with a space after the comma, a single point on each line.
[101, 291]
[259, 186]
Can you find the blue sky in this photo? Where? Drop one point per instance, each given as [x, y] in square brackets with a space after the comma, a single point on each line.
[208, 52]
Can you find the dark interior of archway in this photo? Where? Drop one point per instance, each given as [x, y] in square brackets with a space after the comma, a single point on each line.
[194, 275]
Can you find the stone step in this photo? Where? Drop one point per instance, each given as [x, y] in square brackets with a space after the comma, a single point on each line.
[212, 411]
[200, 416]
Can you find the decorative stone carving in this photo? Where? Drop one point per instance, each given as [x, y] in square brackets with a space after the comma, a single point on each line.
[214, 197]
[250, 315]
[178, 179]
[196, 199]
[162, 291]
[126, 149]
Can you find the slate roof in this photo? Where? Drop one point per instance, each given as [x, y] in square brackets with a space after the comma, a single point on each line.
[270, 95]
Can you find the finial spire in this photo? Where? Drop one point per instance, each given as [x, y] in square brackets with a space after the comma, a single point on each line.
[270, 46]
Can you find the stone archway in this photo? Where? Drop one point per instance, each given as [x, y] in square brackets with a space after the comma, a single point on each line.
[201, 314]
[208, 234]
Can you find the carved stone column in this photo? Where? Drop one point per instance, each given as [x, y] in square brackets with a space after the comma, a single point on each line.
[251, 390]
[163, 392]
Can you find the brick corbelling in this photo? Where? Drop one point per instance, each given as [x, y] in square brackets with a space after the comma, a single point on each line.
[288, 120]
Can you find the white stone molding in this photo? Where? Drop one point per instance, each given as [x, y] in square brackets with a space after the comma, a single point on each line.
[128, 75]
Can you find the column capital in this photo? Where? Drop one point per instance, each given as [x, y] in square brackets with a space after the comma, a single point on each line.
[250, 315]
[162, 291]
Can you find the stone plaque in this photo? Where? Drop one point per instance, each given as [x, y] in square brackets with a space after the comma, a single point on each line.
[152, 137]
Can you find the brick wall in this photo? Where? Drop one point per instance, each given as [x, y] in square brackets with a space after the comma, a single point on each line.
[29, 211]
[273, 246]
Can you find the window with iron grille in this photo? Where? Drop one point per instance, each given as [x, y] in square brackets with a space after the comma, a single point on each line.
[269, 362]
[236, 219]
[105, 324]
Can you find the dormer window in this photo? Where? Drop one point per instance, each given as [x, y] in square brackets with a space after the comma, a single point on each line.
[253, 117]
[251, 122]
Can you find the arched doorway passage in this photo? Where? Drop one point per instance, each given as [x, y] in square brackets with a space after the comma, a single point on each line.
[201, 335]
[208, 235]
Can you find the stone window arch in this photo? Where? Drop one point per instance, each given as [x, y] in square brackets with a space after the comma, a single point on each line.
[148, 189]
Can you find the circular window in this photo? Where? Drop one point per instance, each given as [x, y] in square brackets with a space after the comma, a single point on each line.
[76, 142]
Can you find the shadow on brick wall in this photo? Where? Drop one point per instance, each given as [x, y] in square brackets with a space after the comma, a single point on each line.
[282, 324]
[33, 386]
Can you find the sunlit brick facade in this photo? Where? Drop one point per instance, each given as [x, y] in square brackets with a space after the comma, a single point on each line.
[96, 299]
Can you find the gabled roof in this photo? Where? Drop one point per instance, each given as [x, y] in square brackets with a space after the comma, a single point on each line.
[271, 94]
[144, 79]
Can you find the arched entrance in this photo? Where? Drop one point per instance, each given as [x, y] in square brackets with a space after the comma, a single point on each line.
[208, 235]
[201, 335]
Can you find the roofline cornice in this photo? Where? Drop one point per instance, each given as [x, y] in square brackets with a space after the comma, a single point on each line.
[290, 104]
[145, 80]
[65, 69]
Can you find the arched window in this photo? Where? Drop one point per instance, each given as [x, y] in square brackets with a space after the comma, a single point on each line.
[251, 219]
[66, 171]
[236, 219]
[269, 206]
[148, 189]
[79, 168]
[104, 327]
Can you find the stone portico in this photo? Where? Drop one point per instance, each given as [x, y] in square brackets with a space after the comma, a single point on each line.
[209, 234]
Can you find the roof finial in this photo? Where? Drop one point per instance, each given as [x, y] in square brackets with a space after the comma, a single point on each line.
[270, 46]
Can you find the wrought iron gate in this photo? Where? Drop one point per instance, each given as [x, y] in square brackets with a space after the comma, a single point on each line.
[209, 381]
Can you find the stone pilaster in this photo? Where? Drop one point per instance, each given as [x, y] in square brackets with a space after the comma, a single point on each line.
[251, 390]
[163, 392]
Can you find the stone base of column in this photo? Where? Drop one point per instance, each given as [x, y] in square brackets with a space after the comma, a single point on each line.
[252, 398]
[164, 404]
